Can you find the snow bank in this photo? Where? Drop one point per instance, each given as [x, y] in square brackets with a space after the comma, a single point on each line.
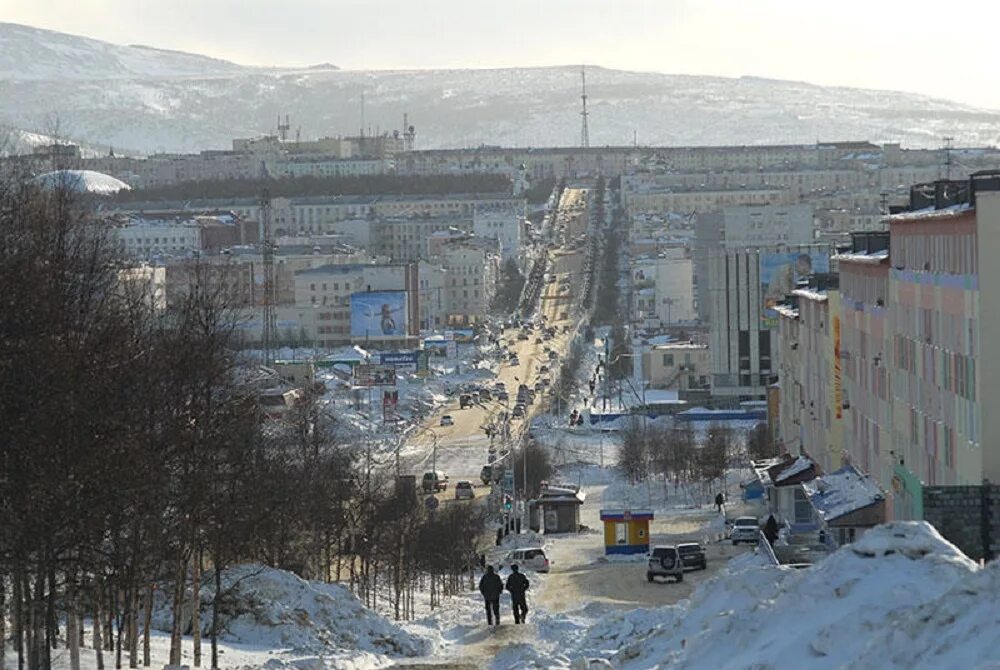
[274, 609]
[902, 595]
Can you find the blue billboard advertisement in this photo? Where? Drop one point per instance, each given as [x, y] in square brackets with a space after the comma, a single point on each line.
[378, 315]
[780, 272]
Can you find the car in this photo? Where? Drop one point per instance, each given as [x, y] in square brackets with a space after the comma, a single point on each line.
[543, 369]
[553, 355]
[475, 396]
[522, 336]
[446, 420]
[531, 558]
[499, 386]
[486, 474]
[433, 482]
[692, 555]
[518, 411]
[664, 562]
[463, 489]
[502, 396]
[538, 340]
[515, 361]
[465, 400]
[745, 529]
[545, 381]
[485, 395]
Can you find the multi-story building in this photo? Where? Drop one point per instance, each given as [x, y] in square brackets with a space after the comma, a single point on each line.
[473, 269]
[701, 199]
[747, 227]
[865, 345]
[684, 366]
[663, 289]
[744, 288]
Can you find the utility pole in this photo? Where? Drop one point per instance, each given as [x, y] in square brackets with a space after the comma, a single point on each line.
[269, 329]
[584, 131]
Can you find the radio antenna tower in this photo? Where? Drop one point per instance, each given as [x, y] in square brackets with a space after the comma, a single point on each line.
[584, 132]
[947, 153]
[269, 331]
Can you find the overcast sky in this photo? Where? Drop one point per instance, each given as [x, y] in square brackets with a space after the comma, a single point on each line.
[945, 49]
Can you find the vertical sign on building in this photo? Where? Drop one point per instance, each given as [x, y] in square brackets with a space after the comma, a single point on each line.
[838, 393]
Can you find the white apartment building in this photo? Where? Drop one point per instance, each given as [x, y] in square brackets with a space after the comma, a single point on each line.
[504, 224]
[663, 289]
[473, 269]
[151, 238]
[754, 226]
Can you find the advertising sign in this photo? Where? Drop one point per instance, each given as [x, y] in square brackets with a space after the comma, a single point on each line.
[436, 347]
[405, 361]
[379, 315]
[464, 335]
[366, 374]
[780, 271]
[390, 400]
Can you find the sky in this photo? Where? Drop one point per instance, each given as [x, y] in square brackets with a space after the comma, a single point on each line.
[935, 48]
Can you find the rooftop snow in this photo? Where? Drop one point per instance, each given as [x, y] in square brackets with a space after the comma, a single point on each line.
[810, 294]
[932, 213]
[872, 258]
[82, 181]
[801, 464]
[842, 492]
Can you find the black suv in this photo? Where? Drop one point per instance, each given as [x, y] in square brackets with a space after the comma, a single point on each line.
[692, 555]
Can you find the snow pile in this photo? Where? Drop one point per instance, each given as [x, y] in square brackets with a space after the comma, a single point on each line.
[274, 609]
[902, 595]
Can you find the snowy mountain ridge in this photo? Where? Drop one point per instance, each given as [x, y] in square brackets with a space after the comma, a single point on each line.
[147, 100]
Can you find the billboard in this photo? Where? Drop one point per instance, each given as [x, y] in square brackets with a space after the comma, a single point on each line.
[406, 361]
[374, 375]
[780, 271]
[379, 315]
[438, 346]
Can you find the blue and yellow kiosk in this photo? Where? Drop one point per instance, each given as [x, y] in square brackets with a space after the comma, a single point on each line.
[626, 531]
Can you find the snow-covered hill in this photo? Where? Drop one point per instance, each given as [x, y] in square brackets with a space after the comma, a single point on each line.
[28, 53]
[150, 100]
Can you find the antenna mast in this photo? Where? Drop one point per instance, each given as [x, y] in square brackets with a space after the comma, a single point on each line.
[269, 331]
[584, 132]
[283, 128]
[947, 156]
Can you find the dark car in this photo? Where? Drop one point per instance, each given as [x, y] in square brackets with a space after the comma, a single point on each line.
[464, 400]
[692, 555]
[485, 395]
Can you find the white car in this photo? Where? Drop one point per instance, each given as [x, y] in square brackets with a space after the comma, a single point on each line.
[745, 529]
[463, 489]
[532, 558]
[446, 420]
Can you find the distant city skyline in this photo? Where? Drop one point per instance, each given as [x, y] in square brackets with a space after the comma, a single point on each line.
[919, 46]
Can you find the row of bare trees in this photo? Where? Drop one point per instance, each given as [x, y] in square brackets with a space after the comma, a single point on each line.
[676, 452]
[136, 463]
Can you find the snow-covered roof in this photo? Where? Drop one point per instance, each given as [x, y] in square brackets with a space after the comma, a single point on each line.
[842, 492]
[859, 257]
[786, 311]
[82, 181]
[763, 467]
[932, 213]
[810, 294]
[800, 465]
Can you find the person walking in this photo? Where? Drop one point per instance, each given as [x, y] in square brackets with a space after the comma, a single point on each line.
[491, 586]
[517, 584]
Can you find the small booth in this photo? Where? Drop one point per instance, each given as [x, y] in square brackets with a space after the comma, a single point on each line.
[560, 508]
[626, 531]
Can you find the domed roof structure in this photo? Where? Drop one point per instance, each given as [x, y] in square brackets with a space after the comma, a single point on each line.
[82, 181]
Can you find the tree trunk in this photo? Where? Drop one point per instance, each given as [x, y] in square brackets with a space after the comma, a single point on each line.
[3, 623]
[216, 601]
[72, 621]
[98, 625]
[196, 608]
[18, 612]
[133, 624]
[180, 579]
[147, 624]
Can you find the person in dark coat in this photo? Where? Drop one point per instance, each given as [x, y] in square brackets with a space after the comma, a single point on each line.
[491, 586]
[771, 529]
[719, 499]
[517, 584]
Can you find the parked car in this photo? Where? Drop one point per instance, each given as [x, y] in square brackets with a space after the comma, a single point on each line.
[543, 369]
[434, 482]
[518, 411]
[664, 562]
[745, 529]
[692, 555]
[465, 400]
[531, 558]
[553, 355]
[485, 395]
[463, 489]
[446, 420]
[486, 474]
[538, 340]
[522, 336]
[515, 361]
[502, 396]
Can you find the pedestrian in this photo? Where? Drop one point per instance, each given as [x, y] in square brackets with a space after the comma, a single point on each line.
[719, 499]
[491, 586]
[517, 584]
[771, 529]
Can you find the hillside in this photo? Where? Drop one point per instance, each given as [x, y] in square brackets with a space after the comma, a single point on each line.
[149, 100]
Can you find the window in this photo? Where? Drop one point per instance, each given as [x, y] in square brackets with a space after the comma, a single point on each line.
[803, 510]
[668, 360]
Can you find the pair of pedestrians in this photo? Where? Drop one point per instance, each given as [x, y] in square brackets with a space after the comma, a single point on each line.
[491, 586]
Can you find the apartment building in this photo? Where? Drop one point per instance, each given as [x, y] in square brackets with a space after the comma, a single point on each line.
[473, 270]
[663, 288]
[684, 366]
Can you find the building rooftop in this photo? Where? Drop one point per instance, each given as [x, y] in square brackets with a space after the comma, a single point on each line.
[841, 492]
